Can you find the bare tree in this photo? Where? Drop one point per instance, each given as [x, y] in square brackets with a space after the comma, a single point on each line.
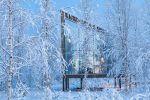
[120, 25]
[45, 32]
[10, 43]
[11, 60]
[48, 37]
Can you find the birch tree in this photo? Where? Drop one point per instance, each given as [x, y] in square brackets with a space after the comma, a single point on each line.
[45, 4]
[120, 23]
[48, 36]
[85, 10]
[90, 39]
[10, 43]
[10, 59]
[142, 61]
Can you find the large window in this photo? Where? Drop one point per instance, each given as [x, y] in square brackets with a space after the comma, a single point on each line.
[83, 49]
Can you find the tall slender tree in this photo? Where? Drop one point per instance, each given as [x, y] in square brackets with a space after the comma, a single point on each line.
[120, 26]
[9, 31]
[48, 38]
[10, 43]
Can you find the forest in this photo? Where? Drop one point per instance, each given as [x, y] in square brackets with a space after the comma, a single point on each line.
[74, 49]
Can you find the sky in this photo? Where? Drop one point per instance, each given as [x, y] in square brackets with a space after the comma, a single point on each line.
[33, 6]
[65, 3]
[59, 4]
[70, 3]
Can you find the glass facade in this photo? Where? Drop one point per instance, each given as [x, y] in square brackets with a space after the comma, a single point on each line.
[84, 50]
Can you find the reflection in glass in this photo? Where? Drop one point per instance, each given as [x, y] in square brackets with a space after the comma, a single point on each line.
[81, 54]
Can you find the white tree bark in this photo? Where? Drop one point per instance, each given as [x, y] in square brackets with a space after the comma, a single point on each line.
[86, 48]
[120, 17]
[10, 43]
[123, 23]
[45, 32]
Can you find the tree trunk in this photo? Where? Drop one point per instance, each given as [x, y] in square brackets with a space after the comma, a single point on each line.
[45, 44]
[10, 40]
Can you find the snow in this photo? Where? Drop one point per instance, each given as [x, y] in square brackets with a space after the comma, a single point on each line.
[31, 58]
[107, 94]
[57, 94]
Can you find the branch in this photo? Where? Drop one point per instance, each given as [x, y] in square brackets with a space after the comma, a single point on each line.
[4, 49]
[4, 63]
[20, 65]
[3, 68]
[20, 58]
[19, 44]
[18, 24]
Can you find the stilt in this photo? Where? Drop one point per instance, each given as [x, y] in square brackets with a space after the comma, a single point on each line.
[63, 84]
[120, 83]
[115, 83]
[81, 79]
[67, 83]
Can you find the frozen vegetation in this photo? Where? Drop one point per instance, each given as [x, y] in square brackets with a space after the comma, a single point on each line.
[40, 42]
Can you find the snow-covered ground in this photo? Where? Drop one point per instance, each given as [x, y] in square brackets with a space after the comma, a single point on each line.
[108, 94]
[105, 94]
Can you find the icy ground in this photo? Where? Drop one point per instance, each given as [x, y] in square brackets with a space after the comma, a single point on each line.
[99, 95]
[105, 94]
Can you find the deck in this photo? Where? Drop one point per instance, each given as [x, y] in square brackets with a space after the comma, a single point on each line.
[66, 78]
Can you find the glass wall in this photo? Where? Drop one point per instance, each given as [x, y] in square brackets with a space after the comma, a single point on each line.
[84, 50]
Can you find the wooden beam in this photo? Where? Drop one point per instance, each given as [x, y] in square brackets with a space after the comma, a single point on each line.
[77, 20]
[88, 76]
[62, 33]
